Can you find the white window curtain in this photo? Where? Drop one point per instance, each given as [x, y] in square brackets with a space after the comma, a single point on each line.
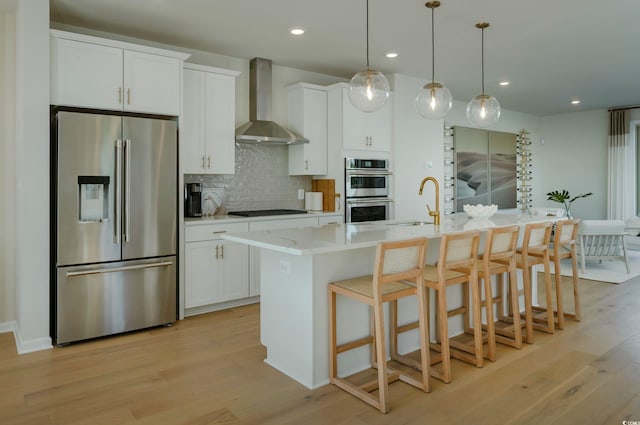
[621, 184]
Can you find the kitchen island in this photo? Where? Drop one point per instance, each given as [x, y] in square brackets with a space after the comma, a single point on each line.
[297, 264]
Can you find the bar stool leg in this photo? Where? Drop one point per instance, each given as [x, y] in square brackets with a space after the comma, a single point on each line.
[547, 284]
[491, 332]
[559, 303]
[443, 328]
[515, 307]
[383, 387]
[576, 294]
[332, 336]
[528, 302]
[477, 319]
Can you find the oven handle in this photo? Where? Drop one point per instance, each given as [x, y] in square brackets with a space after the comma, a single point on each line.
[368, 173]
[369, 201]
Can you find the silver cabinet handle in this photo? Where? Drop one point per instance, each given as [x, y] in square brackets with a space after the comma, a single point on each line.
[219, 231]
[119, 95]
[203, 162]
[129, 96]
[117, 194]
[306, 164]
[209, 163]
[120, 269]
[127, 188]
[217, 251]
[222, 252]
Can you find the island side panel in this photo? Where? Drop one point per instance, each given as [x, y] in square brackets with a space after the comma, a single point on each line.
[286, 318]
[294, 312]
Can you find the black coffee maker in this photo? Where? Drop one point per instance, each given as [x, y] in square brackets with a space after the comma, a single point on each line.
[193, 200]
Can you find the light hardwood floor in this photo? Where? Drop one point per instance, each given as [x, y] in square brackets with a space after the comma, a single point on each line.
[209, 370]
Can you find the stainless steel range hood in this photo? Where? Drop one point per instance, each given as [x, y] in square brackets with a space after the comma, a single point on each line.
[260, 128]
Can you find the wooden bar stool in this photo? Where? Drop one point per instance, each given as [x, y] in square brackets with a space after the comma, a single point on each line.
[534, 251]
[397, 273]
[499, 257]
[564, 246]
[457, 264]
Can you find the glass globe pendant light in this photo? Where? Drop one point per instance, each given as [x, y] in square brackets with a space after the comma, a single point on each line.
[369, 89]
[434, 100]
[483, 110]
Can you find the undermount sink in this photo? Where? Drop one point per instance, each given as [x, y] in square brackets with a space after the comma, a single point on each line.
[413, 223]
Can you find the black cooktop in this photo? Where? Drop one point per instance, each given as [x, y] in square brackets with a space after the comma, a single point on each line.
[259, 213]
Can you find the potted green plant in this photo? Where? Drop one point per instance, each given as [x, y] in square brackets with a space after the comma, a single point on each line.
[563, 197]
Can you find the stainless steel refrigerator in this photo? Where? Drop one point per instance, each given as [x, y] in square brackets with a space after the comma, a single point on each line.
[114, 223]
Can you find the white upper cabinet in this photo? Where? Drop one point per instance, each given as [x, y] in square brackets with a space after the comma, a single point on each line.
[150, 82]
[96, 73]
[208, 130]
[369, 131]
[308, 116]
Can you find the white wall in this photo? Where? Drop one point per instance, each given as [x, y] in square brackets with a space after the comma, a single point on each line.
[417, 144]
[7, 170]
[32, 175]
[574, 157]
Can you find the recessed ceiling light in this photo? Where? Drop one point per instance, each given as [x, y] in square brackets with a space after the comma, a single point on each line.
[575, 102]
[391, 55]
[504, 83]
[296, 31]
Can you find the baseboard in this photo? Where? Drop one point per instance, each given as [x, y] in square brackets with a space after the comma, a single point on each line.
[7, 327]
[30, 345]
[220, 306]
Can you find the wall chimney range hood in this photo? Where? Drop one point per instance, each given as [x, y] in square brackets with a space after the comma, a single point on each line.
[260, 128]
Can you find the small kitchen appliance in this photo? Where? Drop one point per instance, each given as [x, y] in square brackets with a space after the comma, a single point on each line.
[193, 200]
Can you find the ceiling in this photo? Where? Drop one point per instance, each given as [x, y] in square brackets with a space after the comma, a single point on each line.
[551, 51]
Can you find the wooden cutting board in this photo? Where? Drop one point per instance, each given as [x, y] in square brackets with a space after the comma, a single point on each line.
[328, 189]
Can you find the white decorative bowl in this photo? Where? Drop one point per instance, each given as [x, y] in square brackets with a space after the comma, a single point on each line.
[480, 211]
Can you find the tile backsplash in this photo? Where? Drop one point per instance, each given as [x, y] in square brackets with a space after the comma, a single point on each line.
[261, 181]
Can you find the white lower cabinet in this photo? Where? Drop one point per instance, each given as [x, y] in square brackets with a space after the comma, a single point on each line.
[216, 270]
[221, 274]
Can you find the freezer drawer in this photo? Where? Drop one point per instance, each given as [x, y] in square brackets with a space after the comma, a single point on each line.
[104, 299]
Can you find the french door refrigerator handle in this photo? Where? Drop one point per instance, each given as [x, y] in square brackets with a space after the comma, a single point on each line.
[117, 195]
[127, 188]
[119, 269]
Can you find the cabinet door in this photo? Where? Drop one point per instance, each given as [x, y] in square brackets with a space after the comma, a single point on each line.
[353, 125]
[308, 116]
[152, 83]
[234, 279]
[201, 273]
[220, 123]
[192, 133]
[378, 128]
[86, 75]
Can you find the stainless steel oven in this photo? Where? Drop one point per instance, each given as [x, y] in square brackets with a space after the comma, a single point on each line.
[366, 177]
[367, 183]
[367, 209]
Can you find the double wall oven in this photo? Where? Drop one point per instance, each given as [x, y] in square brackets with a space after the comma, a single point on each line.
[367, 183]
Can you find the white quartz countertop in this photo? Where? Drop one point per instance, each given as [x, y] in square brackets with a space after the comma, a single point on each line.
[342, 237]
[222, 219]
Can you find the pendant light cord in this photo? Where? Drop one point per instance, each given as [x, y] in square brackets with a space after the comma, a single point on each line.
[367, 34]
[482, 61]
[433, 50]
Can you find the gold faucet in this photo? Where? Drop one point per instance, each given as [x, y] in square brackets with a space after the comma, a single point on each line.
[435, 214]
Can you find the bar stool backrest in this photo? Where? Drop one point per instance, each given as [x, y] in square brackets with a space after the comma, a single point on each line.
[566, 232]
[458, 250]
[501, 243]
[537, 237]
[402, 260]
